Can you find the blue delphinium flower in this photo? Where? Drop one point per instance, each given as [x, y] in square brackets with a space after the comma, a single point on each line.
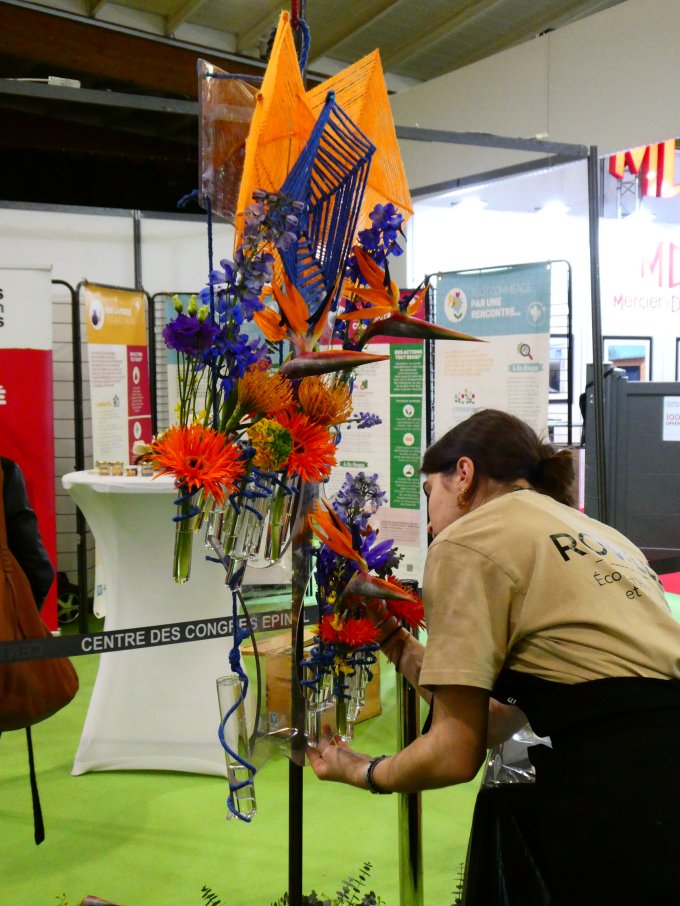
[359, 498]
[379, 240]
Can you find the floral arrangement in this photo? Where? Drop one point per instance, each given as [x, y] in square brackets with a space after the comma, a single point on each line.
[267, 354]
[245, 426]
[353, 565]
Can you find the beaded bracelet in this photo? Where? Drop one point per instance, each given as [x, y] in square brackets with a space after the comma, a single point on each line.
[372, 785]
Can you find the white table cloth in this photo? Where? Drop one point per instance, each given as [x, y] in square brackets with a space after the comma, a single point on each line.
[151, 708]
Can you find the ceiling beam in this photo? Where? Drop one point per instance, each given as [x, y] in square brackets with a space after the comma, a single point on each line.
[95, 6]
[465, 14]
[488, 140]
[180, 15]
[108, 54]
[355, 17]
[98, 98]
[247, 39]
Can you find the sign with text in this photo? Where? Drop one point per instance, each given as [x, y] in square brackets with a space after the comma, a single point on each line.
[115, 322]
[671, 418]
[509, 308]
[653, 164]
[392, 390]
[26, 407]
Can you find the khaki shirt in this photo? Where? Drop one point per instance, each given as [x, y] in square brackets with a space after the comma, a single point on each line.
[527, 583]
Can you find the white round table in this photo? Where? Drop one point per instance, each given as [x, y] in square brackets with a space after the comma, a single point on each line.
[152, 708]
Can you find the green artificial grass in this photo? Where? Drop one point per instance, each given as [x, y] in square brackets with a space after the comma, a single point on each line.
[146, 838]
[150, 838]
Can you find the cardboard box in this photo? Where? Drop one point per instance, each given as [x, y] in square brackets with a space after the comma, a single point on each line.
[276, 669]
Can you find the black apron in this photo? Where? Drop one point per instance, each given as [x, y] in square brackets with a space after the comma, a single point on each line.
[601, 824]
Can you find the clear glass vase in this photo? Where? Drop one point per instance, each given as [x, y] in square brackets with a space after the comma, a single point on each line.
[280, 519]
[356, 689]
[187, 520]
[318, 697]
[344, 727]
[235, 528]
[240, 776]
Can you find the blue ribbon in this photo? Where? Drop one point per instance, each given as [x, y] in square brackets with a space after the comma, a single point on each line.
[237, 668]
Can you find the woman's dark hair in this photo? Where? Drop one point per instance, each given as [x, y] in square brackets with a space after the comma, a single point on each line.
[503, 448]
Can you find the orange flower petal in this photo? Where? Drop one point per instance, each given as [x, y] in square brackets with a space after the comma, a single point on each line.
[200, 458]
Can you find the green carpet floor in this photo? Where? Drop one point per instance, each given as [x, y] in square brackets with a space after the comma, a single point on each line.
[155, 838]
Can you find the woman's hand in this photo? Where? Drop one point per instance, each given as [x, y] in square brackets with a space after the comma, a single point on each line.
[333, 759]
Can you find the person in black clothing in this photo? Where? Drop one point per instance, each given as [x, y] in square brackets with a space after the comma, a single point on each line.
[23, 534]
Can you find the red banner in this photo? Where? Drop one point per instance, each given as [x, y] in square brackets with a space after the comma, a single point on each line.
[26, 409]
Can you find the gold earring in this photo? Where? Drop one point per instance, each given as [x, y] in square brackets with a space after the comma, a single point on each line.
[463, 499]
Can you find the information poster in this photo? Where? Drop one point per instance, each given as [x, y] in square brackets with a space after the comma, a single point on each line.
[508, 308]
[671, 418]
[392, 390]
[119, 370]
[26, 407]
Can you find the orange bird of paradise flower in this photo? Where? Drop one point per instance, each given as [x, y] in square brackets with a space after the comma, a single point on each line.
[198, 457]
[382, 293]
[293, 323]
[329, 528]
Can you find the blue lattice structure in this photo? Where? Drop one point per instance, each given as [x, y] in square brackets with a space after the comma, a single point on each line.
[330, 177]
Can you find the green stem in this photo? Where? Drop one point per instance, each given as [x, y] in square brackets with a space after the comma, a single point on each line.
[184, 539]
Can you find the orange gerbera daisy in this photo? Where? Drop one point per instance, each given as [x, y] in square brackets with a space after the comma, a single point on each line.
[313, 453]
[199, 458]
[326, 401]
[263, 390]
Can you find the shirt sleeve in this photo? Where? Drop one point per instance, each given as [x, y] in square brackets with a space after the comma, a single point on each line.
[23, 534]
[467, 599]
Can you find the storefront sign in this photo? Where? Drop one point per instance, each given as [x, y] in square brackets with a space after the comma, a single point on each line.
[654, 164]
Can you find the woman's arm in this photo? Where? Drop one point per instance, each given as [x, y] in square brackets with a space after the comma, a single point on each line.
[450, 753]
[406, 653]
[504, 720]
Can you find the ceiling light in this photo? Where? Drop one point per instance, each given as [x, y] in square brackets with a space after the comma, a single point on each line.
[470, 204]
[554, 208]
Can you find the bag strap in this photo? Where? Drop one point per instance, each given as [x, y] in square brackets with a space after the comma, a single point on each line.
[4, 548]
[38, 826]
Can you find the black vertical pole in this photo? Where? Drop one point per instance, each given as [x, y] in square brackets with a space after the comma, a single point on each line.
[598, 384]
[153, 364]
[79, 436]
[300, 581]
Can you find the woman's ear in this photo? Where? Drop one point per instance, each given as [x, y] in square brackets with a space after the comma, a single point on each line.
[465, 470]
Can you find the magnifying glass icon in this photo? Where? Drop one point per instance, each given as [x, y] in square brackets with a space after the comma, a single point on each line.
[525, 350]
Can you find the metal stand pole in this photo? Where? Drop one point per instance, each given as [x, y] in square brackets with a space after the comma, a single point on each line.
[302, 568]
[409, 806]
[598, 386]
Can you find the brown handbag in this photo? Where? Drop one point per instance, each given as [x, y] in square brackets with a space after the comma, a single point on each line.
[30, 691]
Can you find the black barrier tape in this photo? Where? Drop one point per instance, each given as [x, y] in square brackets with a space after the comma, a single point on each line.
[145, 636]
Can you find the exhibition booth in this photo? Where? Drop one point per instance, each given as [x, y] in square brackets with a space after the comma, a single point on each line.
[561, 279]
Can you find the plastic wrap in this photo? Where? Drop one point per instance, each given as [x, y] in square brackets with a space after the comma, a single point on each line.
[226, 108]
